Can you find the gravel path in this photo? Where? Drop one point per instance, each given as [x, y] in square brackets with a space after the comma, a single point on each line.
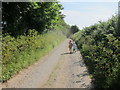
[58, 69]
[70, 72]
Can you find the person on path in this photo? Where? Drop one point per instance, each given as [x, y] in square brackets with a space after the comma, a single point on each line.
[70, 46]
[74, 47]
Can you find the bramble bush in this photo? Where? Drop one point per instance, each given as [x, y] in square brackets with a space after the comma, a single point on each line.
[100, 47]
[20, 52]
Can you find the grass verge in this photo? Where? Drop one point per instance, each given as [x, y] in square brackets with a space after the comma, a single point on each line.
[20, 57]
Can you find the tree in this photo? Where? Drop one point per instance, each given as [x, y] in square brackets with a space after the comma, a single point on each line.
[18, 17]
[118, 29]
[74, 29]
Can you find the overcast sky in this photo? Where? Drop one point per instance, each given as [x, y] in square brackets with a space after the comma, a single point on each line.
[83, 13]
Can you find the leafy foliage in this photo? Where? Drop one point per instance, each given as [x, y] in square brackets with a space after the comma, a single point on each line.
[20, 52]
[118, 30]
[100, 47]
[30, 30]
[74, 29]
[19, 17]
[63, 27]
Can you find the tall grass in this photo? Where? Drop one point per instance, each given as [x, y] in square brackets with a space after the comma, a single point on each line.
[20, 52]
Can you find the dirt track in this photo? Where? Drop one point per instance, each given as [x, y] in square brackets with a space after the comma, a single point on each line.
[58, 69]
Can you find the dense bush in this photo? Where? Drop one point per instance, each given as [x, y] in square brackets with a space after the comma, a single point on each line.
[20, 52]
[100, 47]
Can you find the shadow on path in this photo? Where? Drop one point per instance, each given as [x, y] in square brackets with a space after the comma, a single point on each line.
[66, 53]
